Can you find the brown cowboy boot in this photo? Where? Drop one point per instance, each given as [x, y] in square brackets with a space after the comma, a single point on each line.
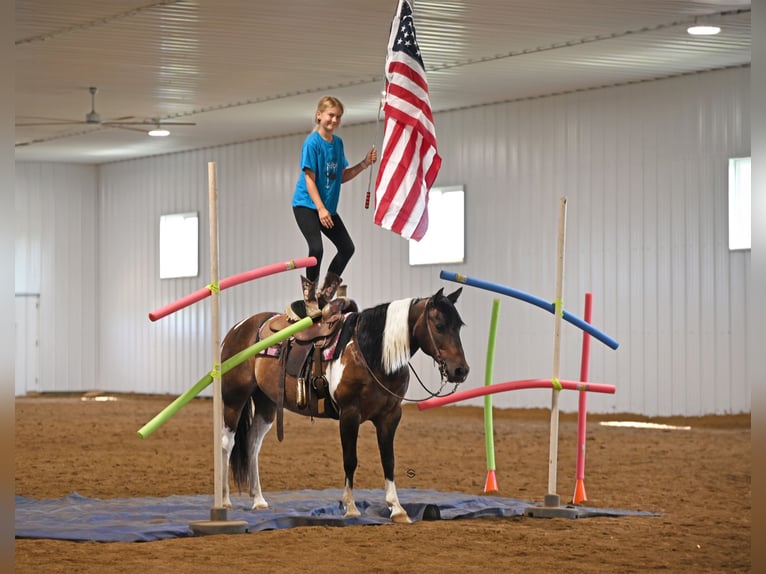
[310, 298]
[329, 287]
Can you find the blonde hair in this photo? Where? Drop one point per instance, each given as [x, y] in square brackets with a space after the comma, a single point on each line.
[324, 103]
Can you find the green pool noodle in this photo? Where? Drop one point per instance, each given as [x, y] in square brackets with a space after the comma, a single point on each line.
[489, 436]
[165, 414]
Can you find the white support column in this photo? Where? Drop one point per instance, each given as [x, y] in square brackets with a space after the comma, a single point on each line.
[554, 438]
[216, 335]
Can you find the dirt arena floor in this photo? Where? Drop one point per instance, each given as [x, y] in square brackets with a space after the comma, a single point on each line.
[698, 480]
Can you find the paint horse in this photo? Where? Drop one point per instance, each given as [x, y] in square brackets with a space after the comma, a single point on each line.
[366, 381]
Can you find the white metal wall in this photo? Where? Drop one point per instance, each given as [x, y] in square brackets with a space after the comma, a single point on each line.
[644, 170]
[56, 257]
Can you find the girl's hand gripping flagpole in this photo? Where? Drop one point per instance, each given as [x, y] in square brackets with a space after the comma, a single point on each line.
[369, 186]
[372, 168]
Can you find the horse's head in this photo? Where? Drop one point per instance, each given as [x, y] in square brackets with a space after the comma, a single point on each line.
[438, 332]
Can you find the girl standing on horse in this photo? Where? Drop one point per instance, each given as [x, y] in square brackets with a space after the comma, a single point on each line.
[315, 202]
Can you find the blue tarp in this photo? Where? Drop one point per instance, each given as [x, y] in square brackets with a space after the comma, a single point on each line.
[78, 518]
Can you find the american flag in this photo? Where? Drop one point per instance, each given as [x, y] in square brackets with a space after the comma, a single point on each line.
[409, 161]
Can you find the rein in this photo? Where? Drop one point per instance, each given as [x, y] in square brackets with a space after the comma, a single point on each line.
[442, 365]
[431, 395]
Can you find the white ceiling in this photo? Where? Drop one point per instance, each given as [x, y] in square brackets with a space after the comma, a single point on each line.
[250, 69]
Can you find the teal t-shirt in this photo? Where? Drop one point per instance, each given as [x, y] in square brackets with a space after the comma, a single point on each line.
[327, 160]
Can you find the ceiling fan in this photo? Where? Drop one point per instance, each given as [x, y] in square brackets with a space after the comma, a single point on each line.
[94, 118]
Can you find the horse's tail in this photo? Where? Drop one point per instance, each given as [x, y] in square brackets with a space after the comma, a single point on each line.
[240, 453]
[247, 331]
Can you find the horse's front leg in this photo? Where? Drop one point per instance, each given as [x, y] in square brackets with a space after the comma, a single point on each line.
[385, 428]
[349, 432]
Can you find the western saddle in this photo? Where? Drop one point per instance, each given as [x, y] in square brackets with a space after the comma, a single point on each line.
[303, 355]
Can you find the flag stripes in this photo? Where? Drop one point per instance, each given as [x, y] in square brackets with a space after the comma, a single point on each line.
[409, 159]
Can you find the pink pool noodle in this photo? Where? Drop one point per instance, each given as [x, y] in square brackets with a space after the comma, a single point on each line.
[231, 282]
[579, 494]
[514, 386]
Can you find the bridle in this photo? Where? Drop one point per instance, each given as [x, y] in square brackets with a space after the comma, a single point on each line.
[438, 356]
[437, 359]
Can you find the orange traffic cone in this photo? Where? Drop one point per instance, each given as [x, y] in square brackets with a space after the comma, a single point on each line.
[490, 485]
[579, 495]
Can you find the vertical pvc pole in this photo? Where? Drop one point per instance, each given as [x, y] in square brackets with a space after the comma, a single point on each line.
[214, 294]
[490, 484]
[582, 409]
[552, 499]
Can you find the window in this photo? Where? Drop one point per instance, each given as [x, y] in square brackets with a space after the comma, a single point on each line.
[739, 203]
[444, 242]
[179, 245]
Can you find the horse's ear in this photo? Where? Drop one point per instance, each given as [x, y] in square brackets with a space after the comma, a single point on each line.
[439, 293]
[454, 295]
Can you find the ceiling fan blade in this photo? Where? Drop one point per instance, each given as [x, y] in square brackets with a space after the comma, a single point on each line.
[55, 123]
[149, 123]
[45, 118]
[124, 127]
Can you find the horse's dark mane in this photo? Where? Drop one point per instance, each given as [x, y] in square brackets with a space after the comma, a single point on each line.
[372, 324]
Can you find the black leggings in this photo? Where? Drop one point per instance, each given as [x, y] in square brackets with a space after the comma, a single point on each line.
[312, 229]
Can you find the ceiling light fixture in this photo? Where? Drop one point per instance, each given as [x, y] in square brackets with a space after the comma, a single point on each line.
[704, 29]
[158, 132]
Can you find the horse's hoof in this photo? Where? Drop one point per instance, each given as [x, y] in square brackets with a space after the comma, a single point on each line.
[401, 518]
[352, 513]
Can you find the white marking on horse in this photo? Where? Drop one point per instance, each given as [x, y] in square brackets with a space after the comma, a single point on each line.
[396, 336]
[227, 443]
[255, 440]
[398, 514]
[334, 372]
[348, 502]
